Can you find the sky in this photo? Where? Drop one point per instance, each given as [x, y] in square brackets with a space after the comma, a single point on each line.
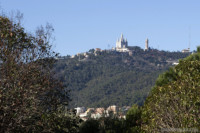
[81, 25]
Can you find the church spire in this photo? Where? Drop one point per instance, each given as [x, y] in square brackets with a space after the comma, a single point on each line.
[122, 36]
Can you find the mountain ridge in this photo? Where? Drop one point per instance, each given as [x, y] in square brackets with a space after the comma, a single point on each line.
[104, 78]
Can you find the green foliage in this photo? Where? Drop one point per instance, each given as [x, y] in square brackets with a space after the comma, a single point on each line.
[193, 57]
[103, 125]
[112, 77]
[174, 103]
[166, 77]
[198, 49]
[133, 119]
[111, 124]
[59, 122]
[90, 126]
[31, 100]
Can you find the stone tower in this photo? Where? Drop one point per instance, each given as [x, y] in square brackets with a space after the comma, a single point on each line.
[146, 45]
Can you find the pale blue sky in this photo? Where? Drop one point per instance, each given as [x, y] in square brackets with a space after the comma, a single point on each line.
[84, 24]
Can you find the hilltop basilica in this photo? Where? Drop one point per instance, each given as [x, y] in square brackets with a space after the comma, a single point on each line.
[122, 45]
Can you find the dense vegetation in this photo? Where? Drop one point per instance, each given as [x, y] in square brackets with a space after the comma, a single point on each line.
[173, 104]
[31, 100]
[113, 124]
[175, 99]
[113, 78]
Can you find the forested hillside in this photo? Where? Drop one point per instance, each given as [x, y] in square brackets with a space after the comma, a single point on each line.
[110, 77]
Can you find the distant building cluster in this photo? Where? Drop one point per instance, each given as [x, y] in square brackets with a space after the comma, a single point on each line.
[121, 46]
[97, 113]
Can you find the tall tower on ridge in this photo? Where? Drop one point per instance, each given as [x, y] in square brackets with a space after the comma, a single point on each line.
[146, 45]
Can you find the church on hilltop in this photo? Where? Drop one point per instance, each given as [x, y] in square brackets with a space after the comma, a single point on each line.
[122, 44]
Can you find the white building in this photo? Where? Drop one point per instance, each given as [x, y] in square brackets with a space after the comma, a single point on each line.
[73, 56]
[122, 44]
[80, 110]
[186, 50]
[113, 108]
[96, 115]
[175, 63]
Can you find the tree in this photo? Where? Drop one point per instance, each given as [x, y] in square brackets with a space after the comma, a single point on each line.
[133, 119]
[175, 103]
[198, 49]
[90, 126]
[31, 100]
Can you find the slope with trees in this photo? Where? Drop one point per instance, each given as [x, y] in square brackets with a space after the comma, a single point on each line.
[112, 77]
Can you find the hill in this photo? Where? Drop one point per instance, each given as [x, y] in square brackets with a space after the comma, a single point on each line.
[104, 78]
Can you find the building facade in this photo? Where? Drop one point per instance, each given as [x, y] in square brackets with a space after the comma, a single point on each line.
[186, 50]
[122, 44]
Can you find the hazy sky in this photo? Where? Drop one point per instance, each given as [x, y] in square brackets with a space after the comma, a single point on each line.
[81, 25]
